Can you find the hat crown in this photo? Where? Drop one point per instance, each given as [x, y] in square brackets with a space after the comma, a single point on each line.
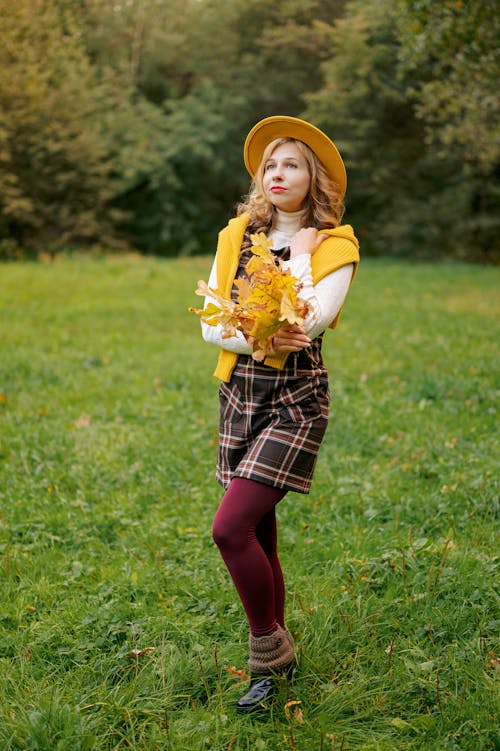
[283, 126]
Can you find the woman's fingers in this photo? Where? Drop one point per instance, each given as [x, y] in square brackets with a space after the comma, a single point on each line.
[306, 240]
[293, 328]
[292, 339]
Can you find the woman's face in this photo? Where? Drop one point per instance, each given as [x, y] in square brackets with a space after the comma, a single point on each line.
[286, 179]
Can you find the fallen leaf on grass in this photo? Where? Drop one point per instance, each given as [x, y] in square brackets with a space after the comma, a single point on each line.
[136, 653]
[241, 674]
[493, 662]
[449, 488]
[426, 666]
[297, 715]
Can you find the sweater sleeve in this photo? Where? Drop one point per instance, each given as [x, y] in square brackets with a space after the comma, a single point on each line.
[325, 298]
[213, 334]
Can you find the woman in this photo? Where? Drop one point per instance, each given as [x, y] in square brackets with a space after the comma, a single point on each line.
[274, 414]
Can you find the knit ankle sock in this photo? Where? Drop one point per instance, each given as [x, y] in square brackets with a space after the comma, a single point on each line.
[269, 654]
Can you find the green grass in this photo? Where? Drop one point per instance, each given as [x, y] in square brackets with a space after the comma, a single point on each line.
[118, 619]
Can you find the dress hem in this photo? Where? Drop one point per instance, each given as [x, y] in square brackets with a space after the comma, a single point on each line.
[265, 481]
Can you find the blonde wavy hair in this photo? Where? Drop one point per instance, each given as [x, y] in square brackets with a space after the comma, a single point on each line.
[323, 206]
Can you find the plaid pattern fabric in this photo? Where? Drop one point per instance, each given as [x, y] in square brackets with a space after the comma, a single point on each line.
[272, 422]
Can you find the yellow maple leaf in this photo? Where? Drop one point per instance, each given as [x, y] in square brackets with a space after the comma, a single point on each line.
[262, 247]
[292, 310]
[210, 313]
[202, 288]
[267, 299]
[244, 288]
[297, 716]
[258, 270]
[265, 326]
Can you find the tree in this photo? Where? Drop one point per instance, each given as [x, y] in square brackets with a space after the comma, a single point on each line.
[123, 123]
[197, 99]
[410, 195]
[55, 175]
[451, 48]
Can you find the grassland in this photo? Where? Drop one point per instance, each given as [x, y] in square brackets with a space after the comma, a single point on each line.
[118, 622]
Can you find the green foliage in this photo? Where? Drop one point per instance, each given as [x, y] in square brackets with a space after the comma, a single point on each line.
[56, 174]
[118, 619]
[180, 179]
[207, 97]
[122, 123]
[449, 48]
[413, 186]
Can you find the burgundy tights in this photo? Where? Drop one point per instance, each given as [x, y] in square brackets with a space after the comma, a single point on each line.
[244, 530]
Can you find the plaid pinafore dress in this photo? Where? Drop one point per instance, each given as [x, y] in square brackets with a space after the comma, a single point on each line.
[272, 422]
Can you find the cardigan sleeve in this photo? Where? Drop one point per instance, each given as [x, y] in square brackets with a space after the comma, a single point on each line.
[213, 334]
[326, 298]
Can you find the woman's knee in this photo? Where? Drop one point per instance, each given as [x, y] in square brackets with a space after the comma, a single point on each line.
[218, 533]
[226, 532]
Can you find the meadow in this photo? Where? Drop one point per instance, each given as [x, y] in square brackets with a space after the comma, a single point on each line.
[119, 626]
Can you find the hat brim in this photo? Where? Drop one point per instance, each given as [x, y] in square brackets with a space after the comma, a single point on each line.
[282, 126]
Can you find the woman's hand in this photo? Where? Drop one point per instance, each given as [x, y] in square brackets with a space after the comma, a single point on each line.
[291, 339]
[306, 240]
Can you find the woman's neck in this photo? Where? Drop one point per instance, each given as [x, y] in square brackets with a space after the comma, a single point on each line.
[287, 220]
[285, 225]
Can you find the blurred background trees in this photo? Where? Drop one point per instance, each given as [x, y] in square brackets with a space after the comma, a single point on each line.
[122, 123]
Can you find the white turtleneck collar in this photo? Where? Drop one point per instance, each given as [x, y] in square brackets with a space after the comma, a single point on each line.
[285, 225]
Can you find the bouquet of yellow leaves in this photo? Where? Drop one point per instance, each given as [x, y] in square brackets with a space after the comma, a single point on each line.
[267, 300]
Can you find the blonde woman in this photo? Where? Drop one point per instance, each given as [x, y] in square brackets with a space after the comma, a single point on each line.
[273, 415]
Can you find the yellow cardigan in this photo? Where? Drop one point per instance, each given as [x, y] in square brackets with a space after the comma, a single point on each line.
[339, 249]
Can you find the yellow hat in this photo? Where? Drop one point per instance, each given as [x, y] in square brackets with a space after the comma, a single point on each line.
[282, 126]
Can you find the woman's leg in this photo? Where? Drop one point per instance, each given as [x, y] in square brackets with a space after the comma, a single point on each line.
[244, 530]
[267, 535]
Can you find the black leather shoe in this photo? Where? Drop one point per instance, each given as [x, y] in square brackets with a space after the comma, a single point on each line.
[260, 691]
